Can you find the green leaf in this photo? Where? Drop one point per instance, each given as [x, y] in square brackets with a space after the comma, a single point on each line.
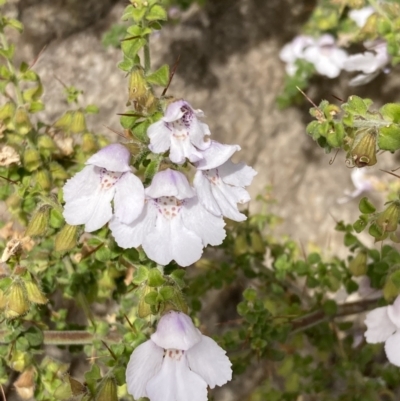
[159, 77]
[8, 53]
[103, 254]
[313, 258]
[13, 23]
[250, 294]
[366, 206]
[92, 377]
[157, 13]
[389, 138]
[128, 122]
[167, 292]
[375, 231]
[141, 274]
[395, 279]
[356, 105]
[151, 298]
[360, 225]
[127, 13]
[92, 109]
[155, 279]
[137, 14]
[330, 307]
[126, 65]
[34, 336]
[130, 47]
[391, 112]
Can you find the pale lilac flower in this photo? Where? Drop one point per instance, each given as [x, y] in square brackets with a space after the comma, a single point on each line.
[328, 59]
[107, 176]
[360, 17]
[370, 63]
[181, 132]
[384, 326]
[173, 224]
[220, 183]
[177, 363]
[362, 183]
[294, 51]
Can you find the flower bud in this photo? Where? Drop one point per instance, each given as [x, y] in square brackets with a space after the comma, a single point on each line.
[358, 266]
[137, 85]
[64, 122]
[34, 294]
[19, 360]
[3, 300]
[240, 246]
[107, 390]
[17, 301]
[388, 220]
[7, 111]
[39, 222]
[43, 179]
[89, 143]
[78, 123]
[66, 239]
[57, 171]
[21, 120]
[144, 308]
[363, 152]
[46, 142]
[257, 243]
[32, 160]
[390, 290]
[25, 384]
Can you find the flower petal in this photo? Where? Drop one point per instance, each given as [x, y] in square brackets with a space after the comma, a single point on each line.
[175, 330]
[216, 155]
[114, 157]
[208, 227]
[94, 211]
[171, 240]
[227, 196]
[131, 235]
[362, 79]
[176, 382]
[206, 197]
[393, 312]
[160, 137]
[210, 362]
[360, 17]
[82, 184]
[170, 183]
[392, 348]
[366, 62]
[129, 198]
[197, 131]
[144, 363]
[174, 110]
[238, 175]
[379, 325]
[182, 148]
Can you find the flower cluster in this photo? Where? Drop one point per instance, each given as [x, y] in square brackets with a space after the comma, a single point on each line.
[384, 326]
[171, 219]
[329, 59]
[177, 363]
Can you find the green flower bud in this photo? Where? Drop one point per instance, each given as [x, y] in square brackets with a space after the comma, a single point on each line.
[137, 85]
[45, 142]
[21, 121]
[19, 360]
[78, 123]
[17, 301]
[66, 239]
[358, 266]
[57, 171]
[388, 220]
[89, 143]
[64, 122]
[39, 222]
[32, 160]
[144, 308]
[42, 177]
[7, 111]
[363, 151]
[107, 390]
[34, 293]
[390, 290]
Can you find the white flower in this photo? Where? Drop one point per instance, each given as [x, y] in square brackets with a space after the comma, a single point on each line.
[107, 176]
[294, 51]
[177, 364]
[360, 17]
[328, 59]
[173, 224]
[370, 63]
[181, 132]
[220, 183]
[362, 183]
[384, 326]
